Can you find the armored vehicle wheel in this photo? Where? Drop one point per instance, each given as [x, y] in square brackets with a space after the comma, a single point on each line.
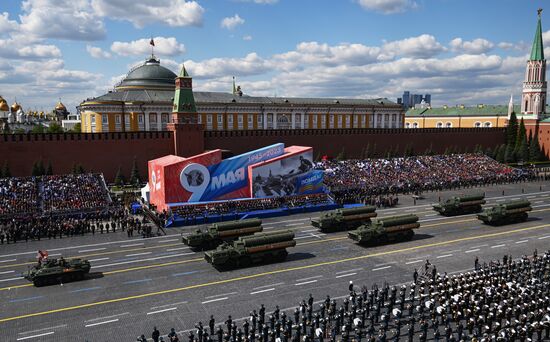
[245, 261]
[409, 235]
[281, 256]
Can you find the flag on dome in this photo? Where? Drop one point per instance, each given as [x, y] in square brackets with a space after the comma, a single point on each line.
[152, 42]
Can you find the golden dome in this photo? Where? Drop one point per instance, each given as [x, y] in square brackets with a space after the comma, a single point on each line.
[15, 107]
[60, 106]
[4, 106]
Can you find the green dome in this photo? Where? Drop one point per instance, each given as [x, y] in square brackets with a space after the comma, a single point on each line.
[149, 75]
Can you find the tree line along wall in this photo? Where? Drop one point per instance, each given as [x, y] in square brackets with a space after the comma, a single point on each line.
[354, 142]
[98, 152]
[105, 152]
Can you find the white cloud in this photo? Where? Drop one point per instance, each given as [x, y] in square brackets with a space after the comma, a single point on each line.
[10, 48]
[423, 46]
[476, 46]
[174, 13]
[7, 25]
[387, 6]
[247, 37]
[251, 64]
[262, 2]
[164, 46]
[61, 19]
[231, 22]
[97, 52]
[505, 45]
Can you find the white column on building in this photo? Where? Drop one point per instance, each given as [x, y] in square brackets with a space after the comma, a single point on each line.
[146, 120]
[302, 118]
[264, 114]
[293, 116]
[390, 122]
[274, 120]
[159, 121]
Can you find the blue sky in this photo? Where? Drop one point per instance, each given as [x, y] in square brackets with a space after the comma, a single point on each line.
[461, 51]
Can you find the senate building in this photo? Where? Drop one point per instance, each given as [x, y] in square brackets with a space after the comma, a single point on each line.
[143, 101]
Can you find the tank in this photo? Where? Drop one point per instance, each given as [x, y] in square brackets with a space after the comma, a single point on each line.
[460, 205]
[217, 233]
[54, 271]
[248, 250]
[386, 229]
[344, 219]
[506, 213]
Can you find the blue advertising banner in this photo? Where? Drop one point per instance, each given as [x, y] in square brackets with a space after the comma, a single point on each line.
[231, 174]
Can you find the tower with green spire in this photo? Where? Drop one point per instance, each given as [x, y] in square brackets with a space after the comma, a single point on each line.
[184, 109]
[533, 100]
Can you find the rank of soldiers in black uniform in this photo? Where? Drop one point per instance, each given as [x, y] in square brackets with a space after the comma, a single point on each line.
[505, 300]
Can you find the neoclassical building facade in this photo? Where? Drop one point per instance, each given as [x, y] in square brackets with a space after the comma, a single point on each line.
[143, 101]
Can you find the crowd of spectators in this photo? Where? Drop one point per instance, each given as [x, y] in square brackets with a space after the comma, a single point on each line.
[191, 211]
[373, 177]
[504, 300]
[73, 192]
[18, 196]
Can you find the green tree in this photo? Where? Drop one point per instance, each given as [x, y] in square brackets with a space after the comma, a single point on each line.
[134, 174]
[509, 154]
[55, 128]
[534, 147]
[489, 152]
[6, 129]
[80, 169]
[38, 168]
[19, 131]
[448, 151]
[6, 170]
[501, 153]
[512, 129]
[38, 129]
[77, 128]
[342, 155]
[119, 178]
[49, 169]
[41, 168]
[367, 153]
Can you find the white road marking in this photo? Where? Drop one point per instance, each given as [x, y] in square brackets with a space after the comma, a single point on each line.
[132, 245]
[99, 323]
[293, 224]
[522, 241]
[92, 250]
[531, 196]
[176, 249]
[260, 291]
[214, 300]
[6, 272]
[165, 305]
[141, 260]
[303, 237]
[221, 295]
[390, 212]
[306, 282]
[538, 202]
[10, 279]
[544, 237]
[413, 262]
[309, 230]
[443, 256]
[100, 318]
[472, 250]
[410, 210]
[430, 215]
[163, 310]
[170, 240]
[33, 336]
[56, 254]
[386, 263]
[136, 254]
[500, 200]
[1, 261]
[497, 246]
[540, 205]
[479, 246]
[516, 198]
[380, 268]
[261, 287]
[100, 259]
[308, 278]
[37, 330]
[346, 275]
[347, 271]
[285, 221]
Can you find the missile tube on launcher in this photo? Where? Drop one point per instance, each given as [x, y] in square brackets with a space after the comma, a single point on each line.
[507, 212]
[387, 229]
[220, 232]
[344, 219]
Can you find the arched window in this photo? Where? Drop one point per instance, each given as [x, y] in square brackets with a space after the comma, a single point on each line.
[477, 124]
[415, 124]
[283, 122]
[448, 125]
[439, 124]
[407, 125]
[487, 124]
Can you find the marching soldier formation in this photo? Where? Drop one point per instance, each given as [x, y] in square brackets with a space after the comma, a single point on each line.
[505, 300]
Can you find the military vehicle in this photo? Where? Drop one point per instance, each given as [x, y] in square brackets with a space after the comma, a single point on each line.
[344, 219]
[386, 229]
[507, 212]
[217, 233]
[460, 205]
[54, 271]
[248, 250]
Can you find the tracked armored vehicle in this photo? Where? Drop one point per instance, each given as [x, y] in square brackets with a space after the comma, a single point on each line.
[54, 271]
[344, 219]
[460, 205]
[248, 250]
[218, 233]
[505, 213]
[386, 229]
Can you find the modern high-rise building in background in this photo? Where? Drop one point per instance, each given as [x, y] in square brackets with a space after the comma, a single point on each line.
[409, 100]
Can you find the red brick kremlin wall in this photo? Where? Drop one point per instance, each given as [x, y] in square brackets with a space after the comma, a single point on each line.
[105, 152]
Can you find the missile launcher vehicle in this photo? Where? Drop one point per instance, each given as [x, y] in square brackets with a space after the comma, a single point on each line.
[505, 213]
[344, 219]
[386, 229]
[54, 271]
[460, 205]
[218, 233]
[248, 250]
